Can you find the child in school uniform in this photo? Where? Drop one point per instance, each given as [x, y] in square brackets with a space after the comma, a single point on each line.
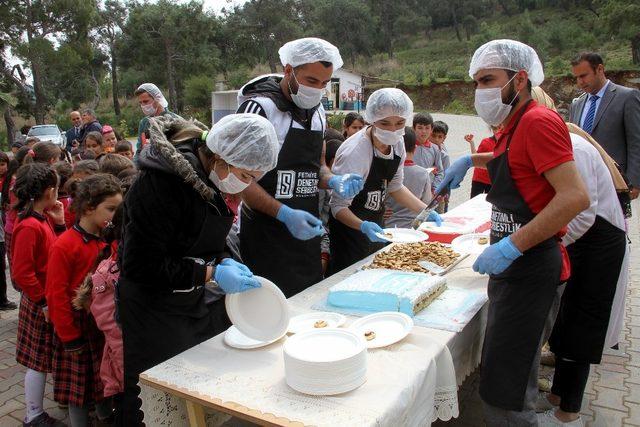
[79, 342]
[438, 136]
[427, 154]
[416, 179]
[36, 189]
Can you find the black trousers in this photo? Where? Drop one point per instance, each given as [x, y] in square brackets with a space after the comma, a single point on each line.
[569, 380]
[479, 188]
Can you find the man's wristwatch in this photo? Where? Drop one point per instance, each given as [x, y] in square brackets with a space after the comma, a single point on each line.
[212, 281]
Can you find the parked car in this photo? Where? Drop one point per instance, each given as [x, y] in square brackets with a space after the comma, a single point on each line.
[51, 133]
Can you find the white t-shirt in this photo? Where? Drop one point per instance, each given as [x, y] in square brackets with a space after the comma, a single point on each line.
[602, 193]
[355, 155]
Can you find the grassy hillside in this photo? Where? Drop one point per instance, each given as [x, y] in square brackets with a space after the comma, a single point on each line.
[556, 35]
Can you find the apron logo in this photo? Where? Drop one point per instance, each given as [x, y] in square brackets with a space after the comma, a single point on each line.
[503, 224]
[285, 185]
[374, 200]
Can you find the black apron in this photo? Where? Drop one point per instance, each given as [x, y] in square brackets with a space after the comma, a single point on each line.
[266, 245]
[519, 298]
[581, 326]
[347, 244]
[157, 326]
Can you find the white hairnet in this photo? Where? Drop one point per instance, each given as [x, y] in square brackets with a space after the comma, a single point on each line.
[508, 55]
[308, 51]
[155, 93]
[388, 102]
[246, 141]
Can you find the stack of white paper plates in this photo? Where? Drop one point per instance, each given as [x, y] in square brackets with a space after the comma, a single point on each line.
[261, 314]
[325, 362]
[403, 235]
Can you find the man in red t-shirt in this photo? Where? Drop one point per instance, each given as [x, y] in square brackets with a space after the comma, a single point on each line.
[536, 190]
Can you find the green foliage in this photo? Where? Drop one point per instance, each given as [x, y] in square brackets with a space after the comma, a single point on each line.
[197, 91]
[457, 107]
[335, 121]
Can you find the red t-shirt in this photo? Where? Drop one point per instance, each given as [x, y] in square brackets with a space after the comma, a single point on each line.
[480, 174]
[72, 257]
[540, 142]
[32, 239]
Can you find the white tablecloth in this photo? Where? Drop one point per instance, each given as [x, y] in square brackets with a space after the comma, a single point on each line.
[410, 383]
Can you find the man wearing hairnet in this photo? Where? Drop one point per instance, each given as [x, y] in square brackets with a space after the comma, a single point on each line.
[153, 104]
[536, 190]
[174, 265]
[279, 227]
[375, 153]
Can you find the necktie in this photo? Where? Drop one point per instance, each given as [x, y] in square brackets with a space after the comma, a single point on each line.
[591, 114]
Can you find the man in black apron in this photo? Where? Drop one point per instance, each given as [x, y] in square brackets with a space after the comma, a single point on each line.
[279, 227]
[375, 152]
[174, 241]
[536, 190]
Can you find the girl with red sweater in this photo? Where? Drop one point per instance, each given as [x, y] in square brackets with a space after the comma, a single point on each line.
[78, 350]
[36, 189]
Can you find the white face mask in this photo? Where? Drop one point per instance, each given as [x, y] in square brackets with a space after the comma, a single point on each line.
[230, 185]
[148, 109]
[388, 137]
[490, 107]
[307, 97]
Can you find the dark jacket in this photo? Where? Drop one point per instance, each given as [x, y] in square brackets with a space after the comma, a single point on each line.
[94, 126]
[72, 134]
[163, 214]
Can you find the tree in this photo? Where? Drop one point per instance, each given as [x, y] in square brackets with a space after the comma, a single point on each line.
[7, 102]
[345, 23]
[470, 25]
[168, 42]
[621, 18]
[32, 26]
[112, 17]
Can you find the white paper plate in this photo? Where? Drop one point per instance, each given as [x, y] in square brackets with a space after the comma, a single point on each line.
[306, 322]
[261, 314]
[403, 235]
[236, 339]
[389, 327]
[468, 243]
[324, 345]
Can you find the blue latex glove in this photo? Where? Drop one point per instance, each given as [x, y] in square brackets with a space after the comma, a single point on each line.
[496, 258]
[301, 224]
[231, 261]
[347, 185]
[435, 217]
[370, 229]
[455, 174]
[233, 279]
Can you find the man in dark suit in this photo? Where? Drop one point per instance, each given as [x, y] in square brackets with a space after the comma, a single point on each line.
[610, 113]
[73, 134]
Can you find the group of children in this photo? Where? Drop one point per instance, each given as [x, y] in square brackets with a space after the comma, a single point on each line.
[61, 231]
[98, 144]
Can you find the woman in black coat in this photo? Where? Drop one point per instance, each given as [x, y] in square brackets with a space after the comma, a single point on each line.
[174, 239]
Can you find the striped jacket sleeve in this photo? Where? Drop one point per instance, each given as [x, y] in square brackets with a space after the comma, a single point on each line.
[252, 107]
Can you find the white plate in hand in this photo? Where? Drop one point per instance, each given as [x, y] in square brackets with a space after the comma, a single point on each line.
[389, 327]
[261, 314]
[470, 243]
[308, 321]
[403, 235]
[236, 339]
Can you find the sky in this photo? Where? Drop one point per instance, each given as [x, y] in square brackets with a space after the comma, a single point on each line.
[217, 5]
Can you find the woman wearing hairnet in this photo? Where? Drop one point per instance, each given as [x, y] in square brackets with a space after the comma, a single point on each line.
[375, 153]
[174, 233]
